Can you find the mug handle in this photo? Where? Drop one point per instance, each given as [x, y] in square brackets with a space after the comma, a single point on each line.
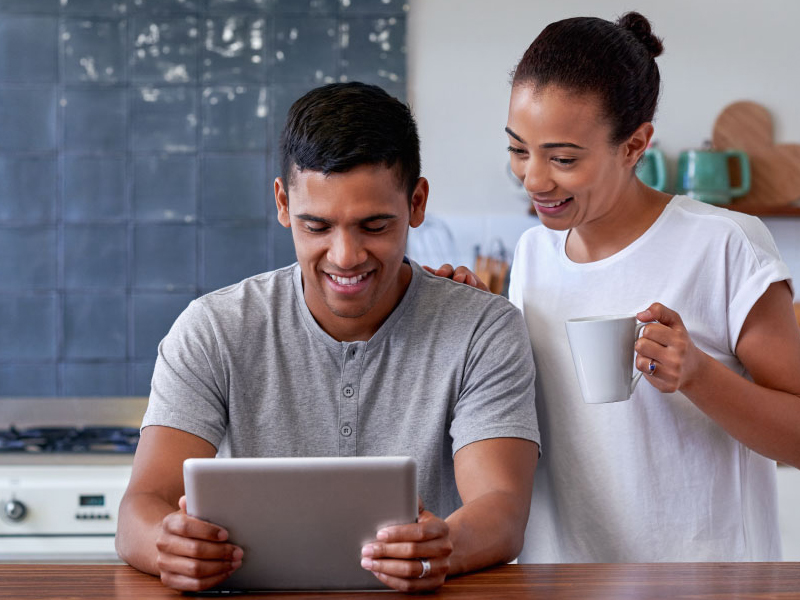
[744, 166]
[638, 374]
[661, 171]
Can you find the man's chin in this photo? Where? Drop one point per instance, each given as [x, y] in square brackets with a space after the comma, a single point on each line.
[348, 312]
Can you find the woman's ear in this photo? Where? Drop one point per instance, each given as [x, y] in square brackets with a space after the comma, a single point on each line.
[635, 146]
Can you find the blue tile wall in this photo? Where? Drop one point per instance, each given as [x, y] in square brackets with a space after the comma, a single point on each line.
[94, 188]
[138, 145]
[28, 188]
[28, 118]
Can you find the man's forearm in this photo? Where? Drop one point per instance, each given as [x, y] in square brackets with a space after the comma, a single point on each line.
[488, 530]
[140, 517]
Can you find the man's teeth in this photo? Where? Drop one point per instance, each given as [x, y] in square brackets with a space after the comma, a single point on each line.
[347, 280]
[553, 204]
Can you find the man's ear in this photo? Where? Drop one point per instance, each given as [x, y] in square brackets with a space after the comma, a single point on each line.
[419, 200]
[635, 146]
[282, 202]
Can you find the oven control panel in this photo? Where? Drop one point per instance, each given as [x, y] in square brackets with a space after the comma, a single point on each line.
[63, 500]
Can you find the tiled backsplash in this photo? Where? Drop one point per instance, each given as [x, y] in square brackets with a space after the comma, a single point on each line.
[137, 153]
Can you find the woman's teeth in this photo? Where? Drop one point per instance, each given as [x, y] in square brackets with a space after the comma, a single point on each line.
[347, 280]
[553, 204]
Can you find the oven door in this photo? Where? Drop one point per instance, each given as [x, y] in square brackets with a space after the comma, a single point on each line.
[60, 513]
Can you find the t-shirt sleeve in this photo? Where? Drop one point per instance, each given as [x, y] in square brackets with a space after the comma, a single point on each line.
[754, 263]
[497, 394]
[188, 380]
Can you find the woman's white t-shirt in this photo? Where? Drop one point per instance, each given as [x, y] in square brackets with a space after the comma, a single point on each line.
[652, 478]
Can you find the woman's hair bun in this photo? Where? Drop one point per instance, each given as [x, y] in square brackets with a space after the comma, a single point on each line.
[639, 26]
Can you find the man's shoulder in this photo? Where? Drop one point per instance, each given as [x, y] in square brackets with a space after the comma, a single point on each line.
[458, 301]
[263, 285]
[252, 297]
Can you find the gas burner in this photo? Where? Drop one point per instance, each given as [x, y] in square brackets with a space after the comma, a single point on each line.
[69, 439]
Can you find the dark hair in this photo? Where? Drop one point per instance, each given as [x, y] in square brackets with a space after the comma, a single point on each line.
[339, 126]
[616, 61]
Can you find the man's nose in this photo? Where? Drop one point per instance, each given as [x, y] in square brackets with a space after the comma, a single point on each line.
[346, 251]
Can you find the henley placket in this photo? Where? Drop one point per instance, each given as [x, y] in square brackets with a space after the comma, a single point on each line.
[352, 362]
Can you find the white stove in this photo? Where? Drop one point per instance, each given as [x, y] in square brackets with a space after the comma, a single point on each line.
[64, 466]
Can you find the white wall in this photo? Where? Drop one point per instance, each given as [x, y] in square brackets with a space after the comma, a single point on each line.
[461, 53]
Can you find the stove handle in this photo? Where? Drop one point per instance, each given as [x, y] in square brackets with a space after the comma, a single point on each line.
[14, 511]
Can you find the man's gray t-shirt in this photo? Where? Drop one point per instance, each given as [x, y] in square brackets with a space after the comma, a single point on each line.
[248, 369]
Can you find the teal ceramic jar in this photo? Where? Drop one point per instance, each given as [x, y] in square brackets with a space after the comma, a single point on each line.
[706, 175]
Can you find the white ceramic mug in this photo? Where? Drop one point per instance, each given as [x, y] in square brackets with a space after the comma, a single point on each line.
[602, 350]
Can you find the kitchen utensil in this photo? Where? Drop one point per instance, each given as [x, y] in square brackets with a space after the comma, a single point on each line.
[706, 175]
[492, 268]
[775, 167]
[652, 169]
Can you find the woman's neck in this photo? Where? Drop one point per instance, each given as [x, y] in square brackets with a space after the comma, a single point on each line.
[638, 207]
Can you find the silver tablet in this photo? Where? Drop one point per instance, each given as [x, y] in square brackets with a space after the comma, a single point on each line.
[302, 521]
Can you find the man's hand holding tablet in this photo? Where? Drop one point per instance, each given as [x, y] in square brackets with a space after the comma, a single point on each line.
[411, 558]
[194, 554]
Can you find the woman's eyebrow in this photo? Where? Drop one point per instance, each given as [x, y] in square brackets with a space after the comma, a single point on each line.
[514, 135]
[547, 145]
[561, 145]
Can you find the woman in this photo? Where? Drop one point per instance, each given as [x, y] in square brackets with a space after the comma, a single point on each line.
[678, 472]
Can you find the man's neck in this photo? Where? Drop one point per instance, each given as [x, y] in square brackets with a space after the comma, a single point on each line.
[361, 329]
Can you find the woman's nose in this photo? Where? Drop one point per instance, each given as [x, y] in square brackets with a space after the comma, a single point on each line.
[536, 177]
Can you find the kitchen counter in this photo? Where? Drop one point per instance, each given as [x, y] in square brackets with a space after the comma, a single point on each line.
[580, 582]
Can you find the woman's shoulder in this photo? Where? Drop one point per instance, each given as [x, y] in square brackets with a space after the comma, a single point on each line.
[710, 214]
[714, 221]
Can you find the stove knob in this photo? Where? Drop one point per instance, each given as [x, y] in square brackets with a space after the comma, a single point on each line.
[14, 510]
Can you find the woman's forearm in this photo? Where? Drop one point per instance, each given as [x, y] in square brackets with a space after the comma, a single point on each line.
[764, 419]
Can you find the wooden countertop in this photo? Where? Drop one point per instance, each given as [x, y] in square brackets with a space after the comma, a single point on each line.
[564, 582]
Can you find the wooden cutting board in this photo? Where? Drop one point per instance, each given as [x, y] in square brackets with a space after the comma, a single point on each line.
[775, 168]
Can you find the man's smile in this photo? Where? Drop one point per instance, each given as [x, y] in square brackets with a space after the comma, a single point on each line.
[349, 284]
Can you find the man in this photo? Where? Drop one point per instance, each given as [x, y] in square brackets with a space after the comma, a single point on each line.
[352, 351]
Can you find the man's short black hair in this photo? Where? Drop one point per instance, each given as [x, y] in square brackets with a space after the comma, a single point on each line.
[337, 127]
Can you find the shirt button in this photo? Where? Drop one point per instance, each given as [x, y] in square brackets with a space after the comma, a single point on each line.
[348, 391]
[346, 430]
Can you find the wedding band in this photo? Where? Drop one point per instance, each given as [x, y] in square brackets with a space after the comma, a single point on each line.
[426, 567]
[652, 367]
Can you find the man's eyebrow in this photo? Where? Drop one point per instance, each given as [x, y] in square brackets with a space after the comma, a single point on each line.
[548, 145]
[378, 217]
[307, 217]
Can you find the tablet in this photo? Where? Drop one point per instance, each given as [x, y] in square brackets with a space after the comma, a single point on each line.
[302, 521]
